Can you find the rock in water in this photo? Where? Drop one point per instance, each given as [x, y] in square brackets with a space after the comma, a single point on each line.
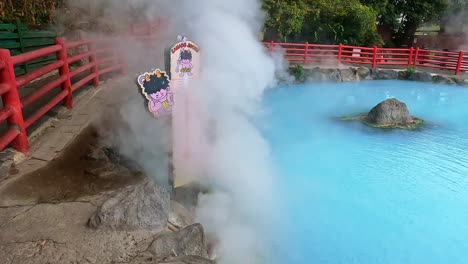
[189, 241]
[143, 206]
[390, 112]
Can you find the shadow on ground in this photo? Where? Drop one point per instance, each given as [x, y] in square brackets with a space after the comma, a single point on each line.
[76, 173]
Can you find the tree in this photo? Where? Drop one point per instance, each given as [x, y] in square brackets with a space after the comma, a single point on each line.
[455, 17]
[322, 21]
[403, 18]
[33, 12]
[378, 5]
[285, 18]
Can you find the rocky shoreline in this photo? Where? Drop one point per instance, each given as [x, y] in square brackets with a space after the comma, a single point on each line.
[353, 74]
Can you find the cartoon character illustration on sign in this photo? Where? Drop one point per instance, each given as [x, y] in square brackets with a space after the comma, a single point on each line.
[184, 63]
[155, 87]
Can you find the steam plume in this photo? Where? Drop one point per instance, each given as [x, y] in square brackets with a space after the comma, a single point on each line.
[235, 73]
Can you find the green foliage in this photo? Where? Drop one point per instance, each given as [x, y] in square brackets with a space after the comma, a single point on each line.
[286, 17]
[409, 71]
[31, 12]
[378, 5]
[436, 78]
[298, 72]
[347, 22]
[354, 21]
[404, 17]
[322, 21]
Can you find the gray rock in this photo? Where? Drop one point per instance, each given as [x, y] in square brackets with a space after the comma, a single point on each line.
[380, 74]
[421, 77]
[5, 167]
[322, 75]
[6, 163]
[348, 75]
[314, 75]
[188, 241]
[462, 82]
[389, 112]
[443, 80]
[97, 154]
[333, 75]
[179, 216]
[187, 195]
[143, 206]
[363, 73]
[189, 260]
[148, 258]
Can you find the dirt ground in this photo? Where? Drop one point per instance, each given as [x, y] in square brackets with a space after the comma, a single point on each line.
[69, 177]
[43, 215]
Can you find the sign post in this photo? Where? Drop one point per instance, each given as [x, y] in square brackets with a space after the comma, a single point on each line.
[170, 97]
[183, 66]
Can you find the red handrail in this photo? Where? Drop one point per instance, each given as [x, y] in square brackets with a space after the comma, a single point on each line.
[16, 134]
[69, 81]
[310, 53]
[24, 57]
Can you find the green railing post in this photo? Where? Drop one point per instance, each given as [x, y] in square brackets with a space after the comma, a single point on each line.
[21, 43]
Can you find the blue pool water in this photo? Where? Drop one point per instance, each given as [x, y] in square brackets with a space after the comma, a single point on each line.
[355, 194]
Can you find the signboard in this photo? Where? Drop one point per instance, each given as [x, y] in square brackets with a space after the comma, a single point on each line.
[183, 62]
[183, 67]
[155, 87]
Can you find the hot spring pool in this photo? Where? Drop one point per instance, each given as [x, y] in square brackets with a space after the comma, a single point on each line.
[355, 194]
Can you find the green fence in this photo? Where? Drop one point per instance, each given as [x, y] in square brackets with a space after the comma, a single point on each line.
[19, 39]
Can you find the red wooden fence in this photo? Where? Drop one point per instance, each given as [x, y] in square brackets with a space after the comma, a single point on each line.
[100, 53]
[305, 53]
[103, 58]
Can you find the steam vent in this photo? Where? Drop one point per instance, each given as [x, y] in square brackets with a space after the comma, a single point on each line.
[391, 113]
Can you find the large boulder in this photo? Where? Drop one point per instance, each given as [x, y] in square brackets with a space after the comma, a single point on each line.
[349, 75]
[363, 73]
[179, 216]
[142, 206]
[187, 195]
[322, 75]
[333, 75]
[443, 80]
[384, 74]
[421, 77]
[389, 112]
[189, 241]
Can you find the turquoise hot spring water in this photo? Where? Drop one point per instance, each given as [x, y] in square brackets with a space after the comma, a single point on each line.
[357, 194]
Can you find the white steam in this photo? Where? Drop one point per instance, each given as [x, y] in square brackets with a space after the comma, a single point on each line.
[235, 73]
[232, 155]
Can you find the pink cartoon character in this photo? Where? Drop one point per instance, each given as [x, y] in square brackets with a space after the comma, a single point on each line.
[156, 88]
[185, 63]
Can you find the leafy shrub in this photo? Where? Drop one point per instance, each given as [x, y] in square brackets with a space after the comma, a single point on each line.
[409, 71]
[298, 73]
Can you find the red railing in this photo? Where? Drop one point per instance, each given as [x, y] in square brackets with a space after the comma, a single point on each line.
[305, 53]
[99, 52]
